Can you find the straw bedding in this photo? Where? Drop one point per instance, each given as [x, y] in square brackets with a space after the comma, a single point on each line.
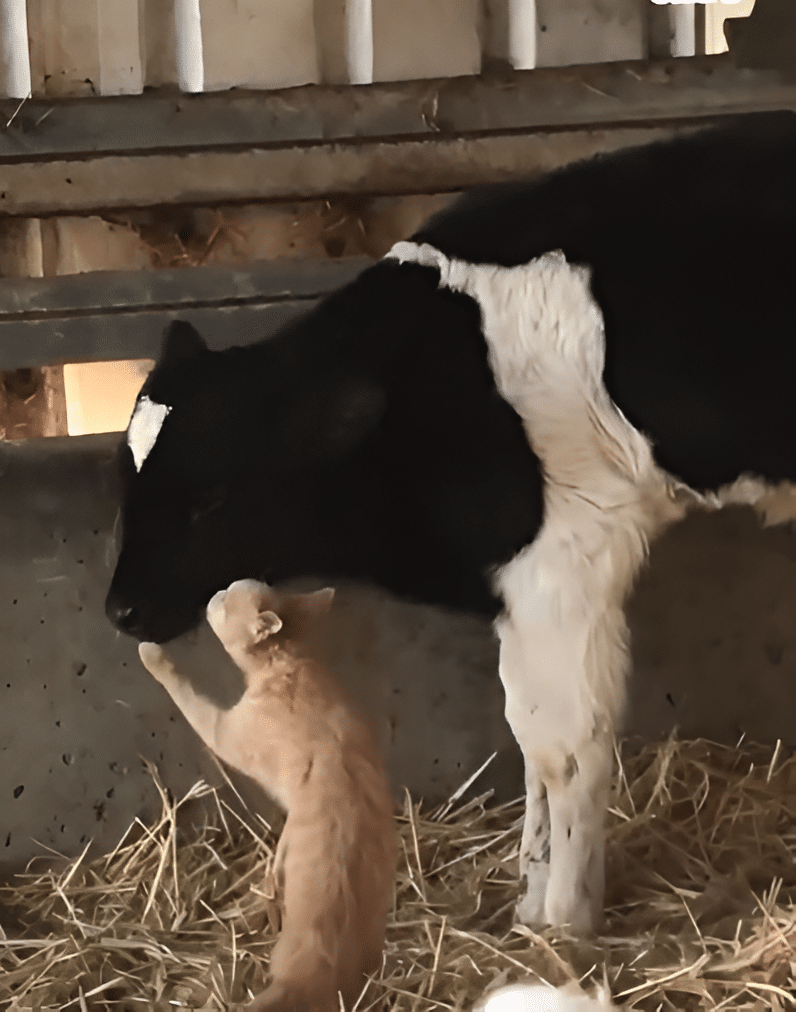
[701, 902]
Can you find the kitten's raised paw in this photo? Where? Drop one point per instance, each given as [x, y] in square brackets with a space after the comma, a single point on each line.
[154, 659]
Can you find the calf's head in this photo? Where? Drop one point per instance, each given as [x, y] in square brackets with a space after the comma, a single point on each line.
[229, 470]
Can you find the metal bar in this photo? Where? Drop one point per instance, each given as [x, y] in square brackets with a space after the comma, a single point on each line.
[558, 97]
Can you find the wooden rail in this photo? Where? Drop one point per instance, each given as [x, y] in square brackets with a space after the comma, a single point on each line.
[83, 155]
[110, 315]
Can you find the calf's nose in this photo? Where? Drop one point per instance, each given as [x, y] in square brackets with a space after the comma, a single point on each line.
[123, 615]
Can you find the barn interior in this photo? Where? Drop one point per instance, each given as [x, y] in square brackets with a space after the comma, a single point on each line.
[230, 164]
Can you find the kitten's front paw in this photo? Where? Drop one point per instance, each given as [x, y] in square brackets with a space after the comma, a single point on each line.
[154, 659]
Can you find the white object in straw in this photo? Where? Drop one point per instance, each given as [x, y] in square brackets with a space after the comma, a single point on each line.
[541, 998]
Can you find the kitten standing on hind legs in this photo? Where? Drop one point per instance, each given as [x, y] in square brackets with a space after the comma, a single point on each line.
[295, 734]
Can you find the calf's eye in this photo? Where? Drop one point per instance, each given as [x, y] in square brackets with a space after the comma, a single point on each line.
[207, 501]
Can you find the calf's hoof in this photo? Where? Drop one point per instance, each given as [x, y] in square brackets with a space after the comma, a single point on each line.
[529, 909]
[579, 918]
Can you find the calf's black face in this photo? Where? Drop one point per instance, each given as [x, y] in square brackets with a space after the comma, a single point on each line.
[219, 482]
[179, 494]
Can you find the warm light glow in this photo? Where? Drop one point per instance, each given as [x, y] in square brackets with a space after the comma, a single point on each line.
[100, 396]
[715, 15]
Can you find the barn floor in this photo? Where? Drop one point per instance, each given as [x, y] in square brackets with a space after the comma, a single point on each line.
[701, 904]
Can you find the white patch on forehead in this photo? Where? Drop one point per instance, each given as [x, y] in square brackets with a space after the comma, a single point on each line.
[144, 428]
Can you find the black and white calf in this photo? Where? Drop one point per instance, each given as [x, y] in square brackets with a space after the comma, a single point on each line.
[499, 416]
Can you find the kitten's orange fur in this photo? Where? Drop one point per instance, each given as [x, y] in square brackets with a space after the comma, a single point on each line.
[306, 745]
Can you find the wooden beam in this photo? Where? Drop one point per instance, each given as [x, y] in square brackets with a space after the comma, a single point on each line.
[101, 337]
[119, 291]
[217, 178]
[79, 155]
[105, 316]
[603, 93]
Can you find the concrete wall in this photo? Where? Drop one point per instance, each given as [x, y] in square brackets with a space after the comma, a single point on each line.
[590, 31]
[258, 43]
[78, 709]
[712, 623]
[425, 38]
[560, 33]
[714, 647]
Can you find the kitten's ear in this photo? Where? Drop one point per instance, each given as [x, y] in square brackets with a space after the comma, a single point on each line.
[266, 624]
[316, 605]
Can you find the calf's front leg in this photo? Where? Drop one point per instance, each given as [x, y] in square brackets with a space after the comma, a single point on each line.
[567, 746]
[563, 663]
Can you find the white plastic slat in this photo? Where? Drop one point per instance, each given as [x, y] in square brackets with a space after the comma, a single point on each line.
[188, 42]
[683, 29]
[359, 41]
[16, 61]
[522, 34]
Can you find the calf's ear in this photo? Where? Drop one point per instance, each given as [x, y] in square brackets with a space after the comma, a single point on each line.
[181, 341]
[266, 624]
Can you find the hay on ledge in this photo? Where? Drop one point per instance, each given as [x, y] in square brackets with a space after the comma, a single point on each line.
[701, 902]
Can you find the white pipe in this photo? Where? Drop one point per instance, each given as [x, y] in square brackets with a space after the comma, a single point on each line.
[359, 41]
[14, 30]
[681, 19]
[188, 36]
[522, 34]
